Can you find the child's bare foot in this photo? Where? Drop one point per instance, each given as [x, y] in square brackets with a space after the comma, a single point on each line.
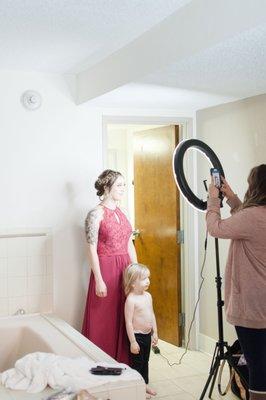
[150, 391]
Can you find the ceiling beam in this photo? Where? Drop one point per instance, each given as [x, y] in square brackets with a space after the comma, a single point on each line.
[197, 26]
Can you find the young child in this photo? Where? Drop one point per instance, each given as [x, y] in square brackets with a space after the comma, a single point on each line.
[140, 319]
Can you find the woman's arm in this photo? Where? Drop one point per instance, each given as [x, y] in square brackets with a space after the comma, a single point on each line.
[92, 224]
[238, 226]
[129, 312]
[132, 251]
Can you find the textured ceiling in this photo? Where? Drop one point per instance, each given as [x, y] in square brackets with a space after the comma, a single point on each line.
[236, 67]
[70, 35]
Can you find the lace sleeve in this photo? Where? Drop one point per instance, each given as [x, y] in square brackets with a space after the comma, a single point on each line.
[92, 224]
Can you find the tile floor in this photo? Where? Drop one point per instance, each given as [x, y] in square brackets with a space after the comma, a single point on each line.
[185, 381]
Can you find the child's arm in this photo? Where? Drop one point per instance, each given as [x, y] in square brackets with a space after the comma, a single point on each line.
[154, 327]
[129, 312]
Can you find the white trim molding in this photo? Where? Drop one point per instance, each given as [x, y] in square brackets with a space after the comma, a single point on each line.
[206, 344]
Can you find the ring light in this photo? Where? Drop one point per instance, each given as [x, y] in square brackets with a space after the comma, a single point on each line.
[178, 169]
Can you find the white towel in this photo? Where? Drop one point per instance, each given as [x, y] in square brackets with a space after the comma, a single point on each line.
[35, 371]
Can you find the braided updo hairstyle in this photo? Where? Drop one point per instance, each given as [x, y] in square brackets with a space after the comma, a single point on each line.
[106, 181]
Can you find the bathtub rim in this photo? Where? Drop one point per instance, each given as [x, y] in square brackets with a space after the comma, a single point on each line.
[73, 335]
[86, 347]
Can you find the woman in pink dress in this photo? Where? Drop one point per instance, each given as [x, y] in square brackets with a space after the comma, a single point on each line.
[110, 251]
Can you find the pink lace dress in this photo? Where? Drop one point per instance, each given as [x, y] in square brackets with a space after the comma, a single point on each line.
[104, 322]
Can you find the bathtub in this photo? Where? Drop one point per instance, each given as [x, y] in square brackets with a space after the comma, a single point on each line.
[20, 335]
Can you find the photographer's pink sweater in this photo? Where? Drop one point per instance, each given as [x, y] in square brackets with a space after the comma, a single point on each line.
[245, 275]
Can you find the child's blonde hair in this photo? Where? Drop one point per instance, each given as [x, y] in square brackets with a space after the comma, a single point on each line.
[132, 273]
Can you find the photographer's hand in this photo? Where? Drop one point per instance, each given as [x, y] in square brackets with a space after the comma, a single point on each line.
[226, 189]
[213, 191]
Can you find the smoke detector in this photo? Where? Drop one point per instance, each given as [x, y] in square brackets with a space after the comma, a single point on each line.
[31, 100]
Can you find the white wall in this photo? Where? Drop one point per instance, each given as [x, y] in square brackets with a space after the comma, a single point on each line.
[49, 160]
[117, 155]
[237, 133]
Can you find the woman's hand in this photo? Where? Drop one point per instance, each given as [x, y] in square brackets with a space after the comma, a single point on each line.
[213, 191]
[101, 289]
[134, 348]
[226, 189]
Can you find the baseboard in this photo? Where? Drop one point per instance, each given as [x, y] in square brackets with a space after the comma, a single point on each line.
[206, 344]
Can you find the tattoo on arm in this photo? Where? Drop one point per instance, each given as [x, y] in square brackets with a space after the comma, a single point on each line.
[92, 226]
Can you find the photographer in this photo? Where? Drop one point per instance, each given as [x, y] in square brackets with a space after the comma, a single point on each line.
[245, 275]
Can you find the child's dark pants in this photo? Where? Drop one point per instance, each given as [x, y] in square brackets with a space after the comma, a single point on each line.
[140, 361]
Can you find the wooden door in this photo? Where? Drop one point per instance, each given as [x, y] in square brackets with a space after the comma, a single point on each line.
[157, 218]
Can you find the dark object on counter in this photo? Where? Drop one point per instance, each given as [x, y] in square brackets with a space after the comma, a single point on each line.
[99, 370]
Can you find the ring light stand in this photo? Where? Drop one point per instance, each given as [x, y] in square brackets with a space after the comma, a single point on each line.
[222, 349]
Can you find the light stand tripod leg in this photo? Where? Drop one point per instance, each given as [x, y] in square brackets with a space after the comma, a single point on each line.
[220, 345]
[212, 375]
[222, 350]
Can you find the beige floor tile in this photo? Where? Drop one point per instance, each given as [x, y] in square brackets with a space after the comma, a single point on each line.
[176, 371]
[165, 388]
[185, 381]
[178, 396]
[169, 348]
[201, 367]
[158, 375]
[192, 384]
[198, 362]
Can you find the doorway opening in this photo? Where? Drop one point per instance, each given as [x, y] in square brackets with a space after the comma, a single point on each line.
[142, 152]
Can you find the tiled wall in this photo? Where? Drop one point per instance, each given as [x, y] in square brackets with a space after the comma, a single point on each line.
[26, 272]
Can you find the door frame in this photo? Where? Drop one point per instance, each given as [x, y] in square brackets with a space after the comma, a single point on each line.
[188, 216]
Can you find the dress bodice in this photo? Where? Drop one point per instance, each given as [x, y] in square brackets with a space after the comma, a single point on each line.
[114, 233]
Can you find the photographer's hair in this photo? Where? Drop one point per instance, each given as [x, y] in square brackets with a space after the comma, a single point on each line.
[106, 181]
[256, 193]
[132, 273]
